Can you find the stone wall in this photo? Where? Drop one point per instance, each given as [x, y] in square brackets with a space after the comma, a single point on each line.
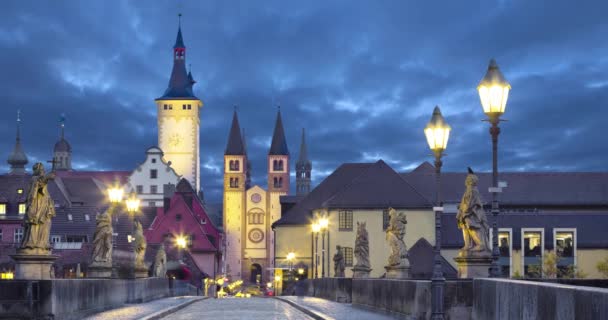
[334, 289]
[75, 298]
[516, 299]
[412, 297]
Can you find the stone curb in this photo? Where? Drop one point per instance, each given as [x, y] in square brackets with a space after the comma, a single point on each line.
[308, 312]
[165, 312]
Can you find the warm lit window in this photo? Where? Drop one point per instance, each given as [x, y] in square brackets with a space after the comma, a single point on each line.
[22, 208]
[19, 191]
[2, 208]
[348, 256]
[18, 235]
[505, 249]
[345, 220]
[564, 242]
[532, 246]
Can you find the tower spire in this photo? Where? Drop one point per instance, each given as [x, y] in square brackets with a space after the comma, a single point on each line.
[17, 159]
[303, 168]
[235, 145]
[279, 144]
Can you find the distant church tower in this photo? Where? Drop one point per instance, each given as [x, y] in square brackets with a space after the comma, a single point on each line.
[17, 159]
[178, 118]
[303, 169]
[235, 178]
[278, 160]
[62, 153]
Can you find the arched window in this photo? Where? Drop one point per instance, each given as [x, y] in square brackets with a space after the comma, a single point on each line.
[275, 165]
[275, 182]
[231, 164]
[237, 165]
[280, 182]
[280, 165]
[256, 216]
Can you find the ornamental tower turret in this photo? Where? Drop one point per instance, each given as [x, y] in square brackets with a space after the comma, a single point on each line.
[303, 169]
[179, 118]
[62, 152]
[17, 159]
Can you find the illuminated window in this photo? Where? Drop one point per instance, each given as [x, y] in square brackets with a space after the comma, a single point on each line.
[505, 248]
[348, 256]
[55, 239]
[19, 191]
[564, 242]
[22, 208]
[2, 208]
[18, 235]
[87, 217]
[532, 247]
[345, 220]
[190, 240]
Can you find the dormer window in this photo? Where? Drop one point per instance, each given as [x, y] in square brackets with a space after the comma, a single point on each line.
[22, 208]
[2, 208]
[20, 191]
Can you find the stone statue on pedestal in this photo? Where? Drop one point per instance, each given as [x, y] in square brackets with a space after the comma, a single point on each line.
[102, 240]
[472, 220]
[40, 210]
[398, 263]
[139, 246]
[160, 262]
[339, 265]
[362, 268]
[33, 259]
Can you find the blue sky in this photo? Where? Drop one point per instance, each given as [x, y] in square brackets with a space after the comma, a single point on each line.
[361, 76]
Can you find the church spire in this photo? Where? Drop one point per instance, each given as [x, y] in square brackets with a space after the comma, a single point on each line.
[180, 83]
[279, 144]
[303, 168]
[62, 152]
[17, 159]
[235, 145]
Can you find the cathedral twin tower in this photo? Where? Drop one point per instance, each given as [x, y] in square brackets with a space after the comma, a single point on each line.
[248, 211]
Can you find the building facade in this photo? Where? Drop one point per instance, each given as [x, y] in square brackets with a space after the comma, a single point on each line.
[249, 211]
[178, 112]
[151, 177]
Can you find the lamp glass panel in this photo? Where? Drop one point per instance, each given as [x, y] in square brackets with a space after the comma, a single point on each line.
[437, 138]
[494, 98]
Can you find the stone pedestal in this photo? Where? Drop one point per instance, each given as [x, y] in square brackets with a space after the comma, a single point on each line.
[361, 272]
[141, 272]
[397, 272]
[33, 266]
[474, 266]
[99, 271]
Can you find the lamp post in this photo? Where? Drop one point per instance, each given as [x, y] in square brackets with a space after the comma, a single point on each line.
[316, 227]
[180, 241]
[437, 133]
[493, 93]
[323, 223]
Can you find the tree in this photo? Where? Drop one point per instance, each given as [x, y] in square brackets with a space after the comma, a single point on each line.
[602, 267]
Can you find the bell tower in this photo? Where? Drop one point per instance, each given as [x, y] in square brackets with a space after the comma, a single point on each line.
[235, 179]
[178, 112]
[278, 160]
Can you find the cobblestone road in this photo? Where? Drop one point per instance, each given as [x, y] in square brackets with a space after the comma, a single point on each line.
[235, 308]
[140, 310]
[337, 311]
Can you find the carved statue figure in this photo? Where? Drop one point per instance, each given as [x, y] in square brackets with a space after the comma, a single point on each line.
[362, 246]
[472, 219]
[102, 239]
[339, 265]
[394, 235]
[40, 210]
[160, 262]
[139, 245]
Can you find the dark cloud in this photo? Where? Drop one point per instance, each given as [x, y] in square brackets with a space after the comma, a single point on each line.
[362, 78]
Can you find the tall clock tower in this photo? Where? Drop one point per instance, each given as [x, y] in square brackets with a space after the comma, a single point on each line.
[178, 118]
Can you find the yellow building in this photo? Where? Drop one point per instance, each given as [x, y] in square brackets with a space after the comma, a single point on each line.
[564, 213]
[178, 112]
[249, 211]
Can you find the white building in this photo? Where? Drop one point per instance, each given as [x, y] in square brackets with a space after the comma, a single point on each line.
[150, 177]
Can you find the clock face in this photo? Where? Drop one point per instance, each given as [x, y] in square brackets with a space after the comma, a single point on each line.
[256, 235]
[175, 140]
[256, 198]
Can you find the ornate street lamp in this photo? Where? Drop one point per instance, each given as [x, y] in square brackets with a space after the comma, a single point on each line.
[437, 133]
[181, 243]
[493, 93]
[132, 203]
[316, 228]
[115, 195]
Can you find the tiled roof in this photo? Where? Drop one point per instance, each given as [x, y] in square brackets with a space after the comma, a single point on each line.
[524, 188]
[301, 212]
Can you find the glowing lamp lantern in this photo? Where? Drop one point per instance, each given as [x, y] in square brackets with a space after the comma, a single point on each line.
[132, 203]
[291, 256]
[437, 132]
[323, 223]
[181, 242]
[316, 228]
[493, 91]
[277, 278]
[300, 271]
[115, 194]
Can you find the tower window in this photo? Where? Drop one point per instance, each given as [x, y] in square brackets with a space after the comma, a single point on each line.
[234, 182]
[166, 107]
[153, 174]
[184, 107]
[234, 165]
[189, 107]
[277, 182]
[277, 165]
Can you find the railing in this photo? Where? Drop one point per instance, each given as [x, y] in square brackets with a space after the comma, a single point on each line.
[19, 298]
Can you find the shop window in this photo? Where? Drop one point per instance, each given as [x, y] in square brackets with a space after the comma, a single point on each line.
[564, 242]
[532, 247]
[505, 249]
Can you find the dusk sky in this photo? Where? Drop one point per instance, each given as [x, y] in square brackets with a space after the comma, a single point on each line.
[361, 76]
